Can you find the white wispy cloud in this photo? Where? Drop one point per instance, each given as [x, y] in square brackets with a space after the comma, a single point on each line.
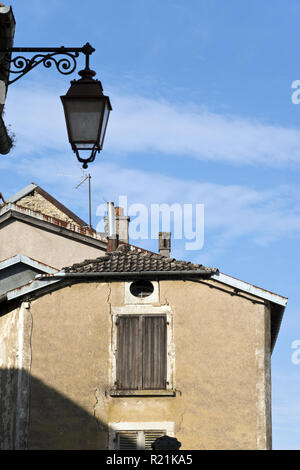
[141, 125]
[232, 212]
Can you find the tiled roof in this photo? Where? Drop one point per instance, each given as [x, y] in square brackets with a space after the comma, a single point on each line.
[123, 260]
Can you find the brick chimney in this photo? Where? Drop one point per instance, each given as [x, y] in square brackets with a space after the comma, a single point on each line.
[121, 224]
[164, 243]
[112, 243]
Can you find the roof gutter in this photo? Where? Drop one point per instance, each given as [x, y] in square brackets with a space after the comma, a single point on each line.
[3, 298]
[143, 274]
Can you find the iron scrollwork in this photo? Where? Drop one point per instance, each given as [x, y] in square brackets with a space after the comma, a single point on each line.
[21, 65]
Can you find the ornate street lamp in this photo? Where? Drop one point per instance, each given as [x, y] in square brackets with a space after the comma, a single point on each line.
[86, 108]
[86, 112]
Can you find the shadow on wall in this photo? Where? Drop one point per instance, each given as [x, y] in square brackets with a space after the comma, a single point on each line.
[35, 416]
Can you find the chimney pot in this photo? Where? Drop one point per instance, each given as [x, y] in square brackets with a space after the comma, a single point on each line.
[120, 223]
[164, 243]
[119, 211]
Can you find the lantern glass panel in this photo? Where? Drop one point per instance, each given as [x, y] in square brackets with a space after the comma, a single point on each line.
[104, 123]
[85, 118]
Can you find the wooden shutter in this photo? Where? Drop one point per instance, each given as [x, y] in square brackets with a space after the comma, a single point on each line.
[154, 352]
[141, 352]
[128, 353]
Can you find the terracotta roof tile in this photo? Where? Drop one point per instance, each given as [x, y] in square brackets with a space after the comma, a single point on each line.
[124, 260]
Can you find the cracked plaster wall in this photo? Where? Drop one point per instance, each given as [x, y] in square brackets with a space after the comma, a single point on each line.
[8, 377]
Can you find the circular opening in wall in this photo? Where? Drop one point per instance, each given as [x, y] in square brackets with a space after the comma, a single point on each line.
[141, 289]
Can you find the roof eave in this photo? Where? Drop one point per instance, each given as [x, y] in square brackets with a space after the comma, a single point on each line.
[277, 313]
[250, 289]
[277, 302]
[129, 274]
[10, 211]
[19, 258]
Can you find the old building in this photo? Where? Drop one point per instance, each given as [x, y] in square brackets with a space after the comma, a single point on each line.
[35, 224]
[120, 346]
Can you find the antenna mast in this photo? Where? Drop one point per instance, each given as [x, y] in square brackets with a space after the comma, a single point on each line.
[90, 198]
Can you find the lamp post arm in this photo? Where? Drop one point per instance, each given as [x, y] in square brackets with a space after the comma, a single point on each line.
[20, 65]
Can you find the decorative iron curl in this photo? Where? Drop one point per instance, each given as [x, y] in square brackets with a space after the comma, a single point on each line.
[21, 65]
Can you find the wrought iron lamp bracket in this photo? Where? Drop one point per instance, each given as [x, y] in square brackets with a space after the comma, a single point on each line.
[20, 65]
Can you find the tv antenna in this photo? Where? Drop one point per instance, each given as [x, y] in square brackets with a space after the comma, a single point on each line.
[85, 177]
[88, 176]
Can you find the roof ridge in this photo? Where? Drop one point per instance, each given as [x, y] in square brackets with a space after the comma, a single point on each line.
[127, 261]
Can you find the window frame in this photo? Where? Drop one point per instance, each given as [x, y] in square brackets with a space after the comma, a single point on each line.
[167, 427]
[148, 369]
[170, 352]
[131, 299]
[140, 438]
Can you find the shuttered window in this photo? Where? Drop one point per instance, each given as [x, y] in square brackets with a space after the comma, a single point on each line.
[137, 440]
[141, 352]
[127, 440]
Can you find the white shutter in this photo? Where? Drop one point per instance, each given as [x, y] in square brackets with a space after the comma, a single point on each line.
[137, 440]
[127, 440]
[151, 436]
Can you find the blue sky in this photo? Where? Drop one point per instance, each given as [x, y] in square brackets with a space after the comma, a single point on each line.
[202, 113]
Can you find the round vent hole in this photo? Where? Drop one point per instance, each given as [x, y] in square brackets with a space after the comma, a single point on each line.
[141, 289]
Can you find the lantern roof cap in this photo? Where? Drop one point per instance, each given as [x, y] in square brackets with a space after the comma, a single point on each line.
[85, 86]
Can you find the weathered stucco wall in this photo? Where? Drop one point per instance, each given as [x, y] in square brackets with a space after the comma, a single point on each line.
[222, 391]
[218, 370]
[15, 359]
[8, 378]
[50, 248]
[70, 339]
